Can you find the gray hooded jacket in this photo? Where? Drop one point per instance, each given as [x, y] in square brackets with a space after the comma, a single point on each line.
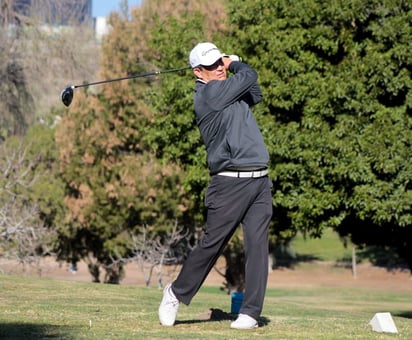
[227, 125]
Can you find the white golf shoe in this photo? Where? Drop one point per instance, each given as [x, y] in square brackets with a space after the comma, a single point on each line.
[244, 321]
[168, 307]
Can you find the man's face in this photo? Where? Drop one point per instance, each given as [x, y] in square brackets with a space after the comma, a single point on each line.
[216, 71]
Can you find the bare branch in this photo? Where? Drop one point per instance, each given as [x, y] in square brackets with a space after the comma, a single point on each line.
[23, 236]
[154, 252]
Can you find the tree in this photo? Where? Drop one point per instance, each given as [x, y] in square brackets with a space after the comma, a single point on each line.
[114, 182]
[29, 197]
[337, 114]
[151, 251]
[15, 99]
[35, 55]
[334, 76]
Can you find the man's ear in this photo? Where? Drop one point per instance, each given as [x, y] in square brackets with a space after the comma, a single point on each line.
[197, 72]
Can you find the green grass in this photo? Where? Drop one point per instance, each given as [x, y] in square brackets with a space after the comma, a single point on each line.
[327, 248]
[36, 308]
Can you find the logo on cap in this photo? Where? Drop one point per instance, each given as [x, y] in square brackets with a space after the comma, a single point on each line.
[209, 50]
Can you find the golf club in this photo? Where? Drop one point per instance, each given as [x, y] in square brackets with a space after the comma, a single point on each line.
[67, 93]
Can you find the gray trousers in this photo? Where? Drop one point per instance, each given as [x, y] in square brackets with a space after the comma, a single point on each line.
[230, 202]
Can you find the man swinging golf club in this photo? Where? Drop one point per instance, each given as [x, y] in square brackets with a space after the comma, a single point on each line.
[239, 191]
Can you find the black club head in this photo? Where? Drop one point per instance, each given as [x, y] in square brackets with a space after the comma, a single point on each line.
[67, 95]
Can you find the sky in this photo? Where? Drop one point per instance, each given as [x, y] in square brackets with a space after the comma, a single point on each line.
[102, 8]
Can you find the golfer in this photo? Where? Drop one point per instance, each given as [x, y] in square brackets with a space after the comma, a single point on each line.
[239, 192]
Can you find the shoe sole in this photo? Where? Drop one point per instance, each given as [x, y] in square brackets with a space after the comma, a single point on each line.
[244, 328]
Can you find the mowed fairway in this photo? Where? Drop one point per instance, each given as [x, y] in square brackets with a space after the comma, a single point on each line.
[44, 308]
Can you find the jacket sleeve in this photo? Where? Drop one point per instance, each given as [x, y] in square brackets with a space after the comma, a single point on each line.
[253, 96]
[241, 85]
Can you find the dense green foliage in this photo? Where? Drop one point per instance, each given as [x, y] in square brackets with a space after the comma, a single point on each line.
[337, 113]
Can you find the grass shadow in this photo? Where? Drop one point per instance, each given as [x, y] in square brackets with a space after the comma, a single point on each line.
[210, 315]
[406, 315]
[346, 262]
[263, 321]
[292, 261]
[30, 331]
[383, 257]
[213, 315]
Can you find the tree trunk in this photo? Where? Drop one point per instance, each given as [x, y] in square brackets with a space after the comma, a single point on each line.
[354, 273]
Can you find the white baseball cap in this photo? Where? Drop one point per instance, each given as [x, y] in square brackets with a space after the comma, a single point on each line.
[204, 54]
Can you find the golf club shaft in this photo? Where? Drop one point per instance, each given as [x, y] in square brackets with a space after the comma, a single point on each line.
[146, 74]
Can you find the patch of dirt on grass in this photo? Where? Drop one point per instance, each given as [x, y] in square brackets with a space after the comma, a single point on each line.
[303, 275]
[328, 274]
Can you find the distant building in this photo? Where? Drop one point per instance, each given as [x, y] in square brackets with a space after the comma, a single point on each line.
[53, 14]
[100, 27]
[56, 12]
